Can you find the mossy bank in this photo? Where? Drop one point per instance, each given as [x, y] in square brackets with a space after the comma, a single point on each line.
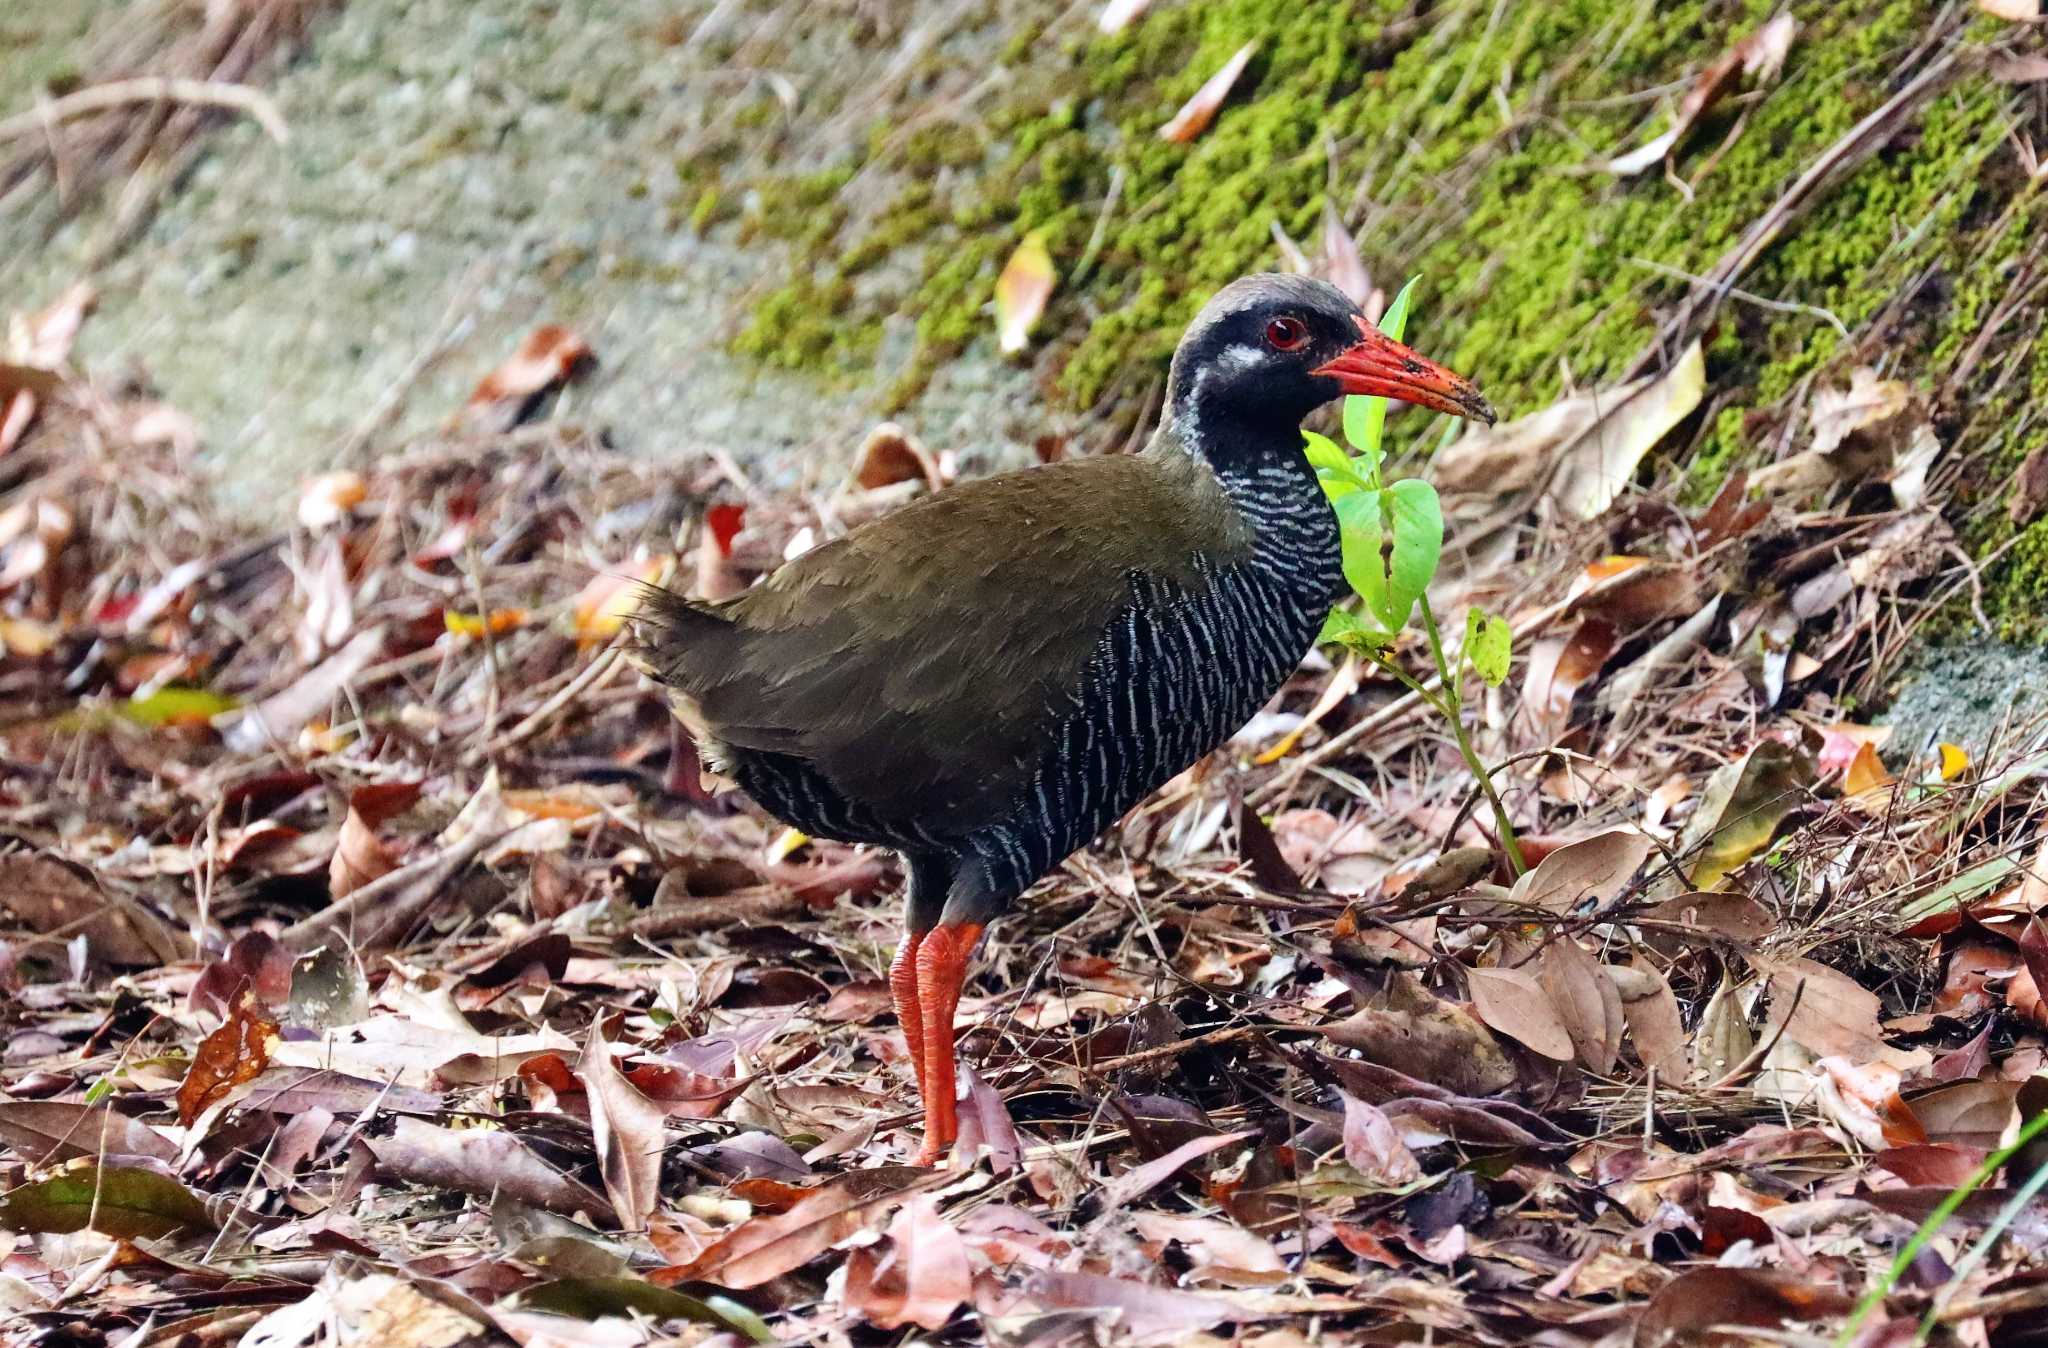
[1463, 142]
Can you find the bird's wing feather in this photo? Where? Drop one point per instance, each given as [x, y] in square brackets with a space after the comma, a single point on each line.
[919, 662]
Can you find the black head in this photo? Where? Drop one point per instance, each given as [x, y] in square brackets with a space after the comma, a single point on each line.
[1271, 348]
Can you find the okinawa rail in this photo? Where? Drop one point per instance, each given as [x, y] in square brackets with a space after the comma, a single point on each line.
[987, 677]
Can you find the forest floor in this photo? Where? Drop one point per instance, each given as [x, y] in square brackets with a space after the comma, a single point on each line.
[379, 970]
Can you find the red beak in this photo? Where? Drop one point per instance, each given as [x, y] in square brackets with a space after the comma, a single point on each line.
[1380, 367]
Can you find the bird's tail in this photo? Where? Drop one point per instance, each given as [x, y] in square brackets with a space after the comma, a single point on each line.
[669, 635]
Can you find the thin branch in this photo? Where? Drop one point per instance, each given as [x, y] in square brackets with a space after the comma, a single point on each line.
[99, 98]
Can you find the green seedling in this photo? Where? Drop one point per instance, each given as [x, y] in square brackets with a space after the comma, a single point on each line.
[1393, 538]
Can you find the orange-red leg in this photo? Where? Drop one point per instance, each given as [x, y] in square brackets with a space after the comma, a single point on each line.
[903, 990]
[942, 958]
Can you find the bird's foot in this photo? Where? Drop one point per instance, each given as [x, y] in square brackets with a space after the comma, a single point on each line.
[933, 1153]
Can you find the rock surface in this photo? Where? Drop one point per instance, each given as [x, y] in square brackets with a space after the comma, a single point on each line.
[458, 172]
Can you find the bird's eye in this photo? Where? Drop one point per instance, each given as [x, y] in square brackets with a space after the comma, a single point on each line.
[1286, 334]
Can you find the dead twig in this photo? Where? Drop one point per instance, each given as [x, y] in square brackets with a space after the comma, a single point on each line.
[99, 98]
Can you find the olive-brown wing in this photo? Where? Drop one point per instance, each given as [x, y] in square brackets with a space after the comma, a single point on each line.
[920, 662]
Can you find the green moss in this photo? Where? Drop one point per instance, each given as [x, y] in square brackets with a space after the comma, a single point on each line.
[705, 211]
[1468, 144]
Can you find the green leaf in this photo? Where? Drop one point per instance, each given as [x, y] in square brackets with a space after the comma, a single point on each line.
[1361, 528]
[1343, 628]
[1365, 419]
[1334, 468]
[1418, 526]
[1341, 624]
[1358, 424]
[596, 1298]
[1324, 454]
[131, 1203]
[1488, 644]
[170, 704]
[1394, 322]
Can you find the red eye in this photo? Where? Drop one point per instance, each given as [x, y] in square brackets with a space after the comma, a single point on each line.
[1286, 334]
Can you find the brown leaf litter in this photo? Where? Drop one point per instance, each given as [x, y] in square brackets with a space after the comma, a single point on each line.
[398, 965]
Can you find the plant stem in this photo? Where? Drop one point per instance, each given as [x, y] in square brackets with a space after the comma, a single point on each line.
[1453, 710]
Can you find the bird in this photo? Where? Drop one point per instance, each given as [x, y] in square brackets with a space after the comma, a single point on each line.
[987, 677]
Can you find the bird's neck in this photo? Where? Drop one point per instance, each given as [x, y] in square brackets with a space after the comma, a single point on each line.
[1271, 487]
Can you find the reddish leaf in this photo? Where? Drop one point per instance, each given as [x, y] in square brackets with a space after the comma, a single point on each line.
[256, 964]
[1931, 1163]
[764, 1248]
[922, 1276]
[891, 454]
[236, 1052]
[549, 357]
[1140, 1180]
[1706, 1298]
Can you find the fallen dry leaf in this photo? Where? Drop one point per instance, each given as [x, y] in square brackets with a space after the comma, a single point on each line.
[1829, 1012]
[1423, 1036]
[919, 1277]
[1589, 871]
[1140, 1180]
[1588, 444]
[1875, 429]
[1196, 114]
[1118, 15]
[328, 499]
[1586, 1002]
[281, 716]
[1703, 1299]
[1343, 268]
[484, 1162]
[43, 338]
[360, 855]
[612, 596]
[2023, 11]
[44, 1132]
[1743, 805]
[46, 894]
[629, 1130]
[1558, 667]
[1021, 293]
[1760, 57]
[1864, 1099]
[236, 1052]
[1655, 1027]
[1218, 1251]
[549, 357]
[764, 1248]
[891, 454]
[1515, 1004]
[1373, 1146]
